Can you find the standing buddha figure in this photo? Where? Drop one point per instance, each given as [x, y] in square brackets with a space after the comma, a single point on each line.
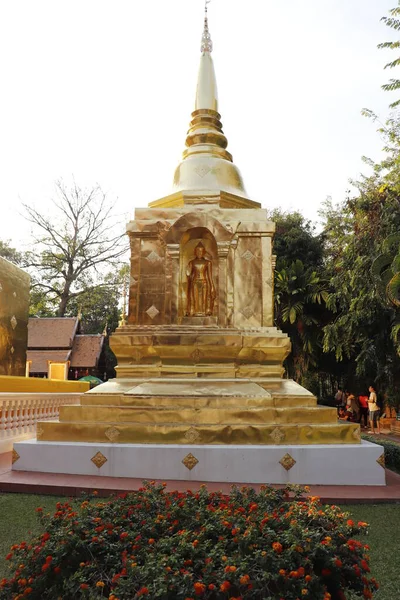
[200, 286]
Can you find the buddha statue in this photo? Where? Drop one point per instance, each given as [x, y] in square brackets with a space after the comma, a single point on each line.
[200, 286]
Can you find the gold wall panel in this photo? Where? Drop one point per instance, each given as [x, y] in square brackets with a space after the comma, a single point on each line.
[242, 434]
[14, 307]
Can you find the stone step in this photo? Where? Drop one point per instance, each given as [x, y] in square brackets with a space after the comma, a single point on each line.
[196, 402]
[211, 415]
[171, 433]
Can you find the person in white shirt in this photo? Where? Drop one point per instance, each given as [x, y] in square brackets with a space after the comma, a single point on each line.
[373, 411]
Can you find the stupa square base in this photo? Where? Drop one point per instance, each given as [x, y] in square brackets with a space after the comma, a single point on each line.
[324, 464]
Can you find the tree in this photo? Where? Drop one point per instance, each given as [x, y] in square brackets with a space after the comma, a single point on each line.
[300, 295]
[74, 247]
[100, 307]
[300, 290]
[296, 238]
[393, 23]
[10, 253]
[355, 232]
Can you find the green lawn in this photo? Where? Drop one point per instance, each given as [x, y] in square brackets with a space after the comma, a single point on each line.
[18, 518]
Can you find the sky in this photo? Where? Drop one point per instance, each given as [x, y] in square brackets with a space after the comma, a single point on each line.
[102, 91]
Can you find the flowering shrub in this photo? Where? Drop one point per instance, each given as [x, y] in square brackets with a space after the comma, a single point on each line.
[155, 544]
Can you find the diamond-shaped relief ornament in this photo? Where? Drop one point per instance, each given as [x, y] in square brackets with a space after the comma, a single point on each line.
[190, 461]
[248, 255]
[153, 257]
[112, 433]
[196, 355]
[132, 281]
[12, 349]
[1, 288]
[381, 460]
[98, 459]
[202, 171]
[13, 322]
[308, 431]
[15, 456]
[192, 435]
[39, 432]
[277, 435]
[247, 312]
[287, 462]
[152, 312]
[15, 294]
[357, 433]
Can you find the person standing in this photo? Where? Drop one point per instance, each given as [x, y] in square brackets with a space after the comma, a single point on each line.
[340, 399]
[373, 410]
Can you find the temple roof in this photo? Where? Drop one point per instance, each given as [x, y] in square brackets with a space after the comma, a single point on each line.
[86, 350]
[52, 332]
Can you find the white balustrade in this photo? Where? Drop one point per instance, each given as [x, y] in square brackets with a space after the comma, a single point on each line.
[19, 413]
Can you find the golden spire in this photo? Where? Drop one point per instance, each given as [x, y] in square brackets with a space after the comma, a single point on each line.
[206, 93]
[207, 166]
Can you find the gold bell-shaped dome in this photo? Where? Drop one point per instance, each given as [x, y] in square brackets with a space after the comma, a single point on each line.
[206, 164]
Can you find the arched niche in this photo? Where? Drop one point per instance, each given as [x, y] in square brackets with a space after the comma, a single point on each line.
[195, 221]
[188, 242]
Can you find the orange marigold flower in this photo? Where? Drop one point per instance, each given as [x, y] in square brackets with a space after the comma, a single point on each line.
[123, 535]
[211, 586]
[277, 547]
[27, 591]
[350, 523]
[225, 585]
[84, 586]
[57, 570]
[199, 588]
[100, 584]
[143, 591]
[151, 541]
[244, 580]
[282, 572]
[365, 566]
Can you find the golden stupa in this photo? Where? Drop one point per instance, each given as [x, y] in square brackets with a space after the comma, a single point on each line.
[199, 358]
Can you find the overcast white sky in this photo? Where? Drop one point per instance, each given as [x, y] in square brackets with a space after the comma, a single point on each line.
[103, 90]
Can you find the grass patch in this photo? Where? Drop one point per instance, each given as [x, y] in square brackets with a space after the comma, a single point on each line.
[18, 521]
[384, 540]
[18, 518]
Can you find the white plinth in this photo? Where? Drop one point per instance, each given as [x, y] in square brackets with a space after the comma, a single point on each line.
[324, 464]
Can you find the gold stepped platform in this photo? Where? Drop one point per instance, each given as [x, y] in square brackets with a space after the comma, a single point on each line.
[203, 412]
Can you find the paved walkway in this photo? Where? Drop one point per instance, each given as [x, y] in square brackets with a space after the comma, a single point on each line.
[73, 485]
